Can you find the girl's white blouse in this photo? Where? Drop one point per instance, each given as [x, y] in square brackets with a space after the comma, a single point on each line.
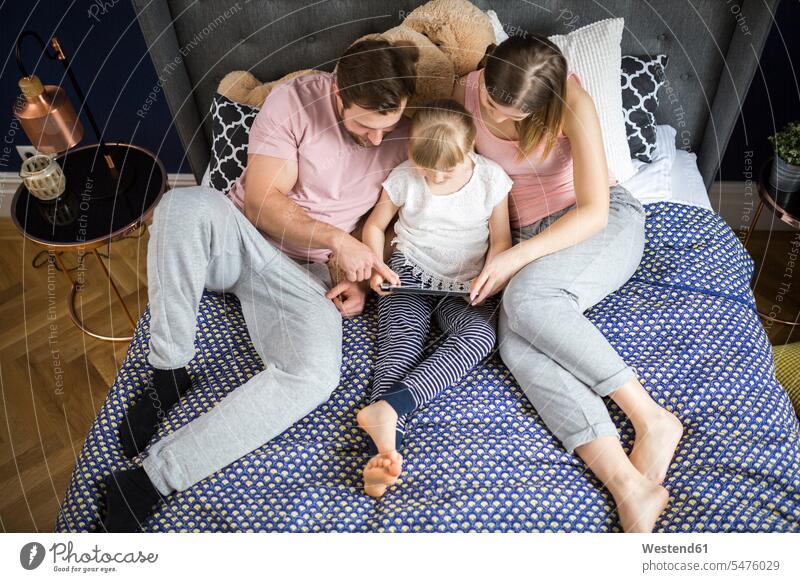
[445, 238]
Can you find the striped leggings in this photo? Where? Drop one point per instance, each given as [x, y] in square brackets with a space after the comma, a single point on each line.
[403, 376]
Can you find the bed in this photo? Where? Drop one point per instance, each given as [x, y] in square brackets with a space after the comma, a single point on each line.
[479, 458]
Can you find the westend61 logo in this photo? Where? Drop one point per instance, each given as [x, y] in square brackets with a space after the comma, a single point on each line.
[66, 559]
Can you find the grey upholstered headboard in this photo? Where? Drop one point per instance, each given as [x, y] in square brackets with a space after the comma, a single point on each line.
[713, 48]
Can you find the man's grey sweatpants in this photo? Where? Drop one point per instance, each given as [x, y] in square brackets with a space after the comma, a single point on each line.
[200, 239]
[559, 358]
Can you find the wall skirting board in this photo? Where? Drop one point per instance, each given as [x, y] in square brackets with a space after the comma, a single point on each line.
[10, 181]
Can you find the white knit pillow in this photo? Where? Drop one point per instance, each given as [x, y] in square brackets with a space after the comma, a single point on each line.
[594, 53]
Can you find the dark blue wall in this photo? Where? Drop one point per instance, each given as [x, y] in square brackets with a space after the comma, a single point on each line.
[111, 62]
[773, 99]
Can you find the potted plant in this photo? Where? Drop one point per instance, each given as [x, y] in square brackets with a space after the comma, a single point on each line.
[785, 175]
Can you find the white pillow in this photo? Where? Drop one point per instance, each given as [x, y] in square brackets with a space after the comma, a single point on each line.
[652, 181]
[499, 34]
[687, 182]
[594, 53]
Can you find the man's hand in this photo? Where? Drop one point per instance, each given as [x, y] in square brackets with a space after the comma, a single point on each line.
[356, 260]
[348, 297]
[337, 276]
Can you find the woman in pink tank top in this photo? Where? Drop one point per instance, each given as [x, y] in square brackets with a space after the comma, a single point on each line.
[579, 237]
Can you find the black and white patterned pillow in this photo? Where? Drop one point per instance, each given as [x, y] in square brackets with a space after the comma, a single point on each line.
[230, 131]
[642, 77]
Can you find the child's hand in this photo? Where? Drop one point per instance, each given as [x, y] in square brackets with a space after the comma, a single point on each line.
[378, 278]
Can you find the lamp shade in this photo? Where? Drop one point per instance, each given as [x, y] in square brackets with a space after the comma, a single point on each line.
[47, 116]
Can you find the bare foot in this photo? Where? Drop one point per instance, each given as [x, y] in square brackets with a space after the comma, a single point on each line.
[640, 505]
[655, 446]
[382, 471]
[379, 420]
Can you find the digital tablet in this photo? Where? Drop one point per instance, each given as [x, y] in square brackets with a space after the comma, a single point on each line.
[414, 290]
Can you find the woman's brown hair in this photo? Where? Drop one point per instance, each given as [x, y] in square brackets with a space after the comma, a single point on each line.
[442, 135]
[530, 73]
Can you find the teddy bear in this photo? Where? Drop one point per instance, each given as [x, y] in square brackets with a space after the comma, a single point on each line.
[451, 36]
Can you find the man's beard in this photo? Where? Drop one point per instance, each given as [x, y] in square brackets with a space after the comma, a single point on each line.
[364, 143]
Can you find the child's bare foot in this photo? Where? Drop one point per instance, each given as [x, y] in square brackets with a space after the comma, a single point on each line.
[655, 445]
[640, 505]
[379, 420]
[382, 471]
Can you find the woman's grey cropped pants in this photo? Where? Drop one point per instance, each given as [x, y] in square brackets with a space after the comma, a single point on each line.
[560, 359]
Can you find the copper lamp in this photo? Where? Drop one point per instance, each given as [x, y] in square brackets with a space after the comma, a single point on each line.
[46, 115]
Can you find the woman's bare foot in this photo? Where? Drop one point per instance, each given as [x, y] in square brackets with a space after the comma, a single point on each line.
[382, 471]
[655, 445]
[640, 505]
[639, 500]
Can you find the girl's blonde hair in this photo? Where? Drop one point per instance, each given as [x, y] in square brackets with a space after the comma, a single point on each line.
[442, 135]
[530, 73]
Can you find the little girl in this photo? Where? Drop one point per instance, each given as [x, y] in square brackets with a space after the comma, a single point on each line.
[453, 217]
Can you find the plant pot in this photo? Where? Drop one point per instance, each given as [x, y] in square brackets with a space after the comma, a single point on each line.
[784, 177]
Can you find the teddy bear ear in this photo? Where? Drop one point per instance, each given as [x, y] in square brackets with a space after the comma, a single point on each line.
[409, 49]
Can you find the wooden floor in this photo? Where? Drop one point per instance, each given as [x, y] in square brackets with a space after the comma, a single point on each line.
[53, 378]
[777, 282]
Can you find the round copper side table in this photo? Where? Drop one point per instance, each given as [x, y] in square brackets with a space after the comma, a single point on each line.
[786, 205]
[97, 207]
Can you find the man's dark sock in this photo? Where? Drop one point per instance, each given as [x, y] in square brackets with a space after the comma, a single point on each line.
[130, 499]
[141, 420]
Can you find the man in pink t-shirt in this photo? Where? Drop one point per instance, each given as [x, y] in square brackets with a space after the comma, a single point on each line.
[337, 174]
[319, 149]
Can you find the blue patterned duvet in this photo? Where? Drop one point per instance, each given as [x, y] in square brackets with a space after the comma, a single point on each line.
[479, 457]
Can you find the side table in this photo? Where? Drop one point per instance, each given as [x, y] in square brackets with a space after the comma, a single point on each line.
[786, 205]
[95, 209]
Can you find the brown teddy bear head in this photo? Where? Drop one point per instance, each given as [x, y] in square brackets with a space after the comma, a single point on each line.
[458, 27]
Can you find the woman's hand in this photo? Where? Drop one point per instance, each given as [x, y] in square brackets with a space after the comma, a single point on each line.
[496, 274]
[377, 279]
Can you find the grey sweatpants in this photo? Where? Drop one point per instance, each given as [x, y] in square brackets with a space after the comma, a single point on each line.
[200, 239]
[559, 358]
